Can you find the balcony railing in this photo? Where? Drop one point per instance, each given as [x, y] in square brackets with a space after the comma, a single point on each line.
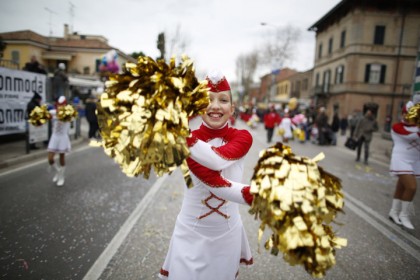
[9, 64]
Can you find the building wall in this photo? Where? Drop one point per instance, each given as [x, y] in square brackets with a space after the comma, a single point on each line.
[359, 51]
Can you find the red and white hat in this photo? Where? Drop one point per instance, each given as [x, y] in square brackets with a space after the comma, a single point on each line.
[62, 100]
[407, 107]
[217, 82]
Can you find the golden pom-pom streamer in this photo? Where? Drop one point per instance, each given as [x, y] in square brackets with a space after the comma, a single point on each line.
[39, 116]
[413, 114]
[143, 115]
[297, 200]
[66, 113]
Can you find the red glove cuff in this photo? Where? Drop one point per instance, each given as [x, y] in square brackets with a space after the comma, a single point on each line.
[248, 197]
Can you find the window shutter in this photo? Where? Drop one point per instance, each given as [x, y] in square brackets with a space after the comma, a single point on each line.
[367, 72]
[383, 71]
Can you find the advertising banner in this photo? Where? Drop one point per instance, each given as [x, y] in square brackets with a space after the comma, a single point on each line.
[16, 90]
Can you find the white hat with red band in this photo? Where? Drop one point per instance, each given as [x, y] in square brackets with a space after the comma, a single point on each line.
[217, 81]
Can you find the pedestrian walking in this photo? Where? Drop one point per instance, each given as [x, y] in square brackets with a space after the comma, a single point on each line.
[363, 134]
[60, 81]
[286, 126]
[321, 122]
[90, 111]
[335, 127]
[405, 164]
[59, 143]
[34, 102]
[343, 125]
[209, 240]
[271, 120]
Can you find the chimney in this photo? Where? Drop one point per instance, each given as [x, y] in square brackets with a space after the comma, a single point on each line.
[66, 31]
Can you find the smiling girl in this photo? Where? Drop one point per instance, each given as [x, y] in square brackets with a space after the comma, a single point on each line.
[209, 241]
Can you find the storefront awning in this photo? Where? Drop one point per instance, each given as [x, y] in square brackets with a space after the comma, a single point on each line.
[85, 83]
[56, 56]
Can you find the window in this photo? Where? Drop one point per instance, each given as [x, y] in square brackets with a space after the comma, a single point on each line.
[343, 39]
[339, 74]
[320, 51]
[330, 45]
[305, 84]
[326, 81]
[375, 73]
[317, 79]
[15, 56]
[379, 37]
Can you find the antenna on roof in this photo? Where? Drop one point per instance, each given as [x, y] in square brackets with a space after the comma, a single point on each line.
[71, 12]
[50, 19]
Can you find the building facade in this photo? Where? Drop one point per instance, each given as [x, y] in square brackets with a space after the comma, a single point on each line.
[82, 54]
[365, 56]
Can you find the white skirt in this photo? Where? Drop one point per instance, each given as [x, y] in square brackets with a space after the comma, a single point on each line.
[195, 256]
[59, 143]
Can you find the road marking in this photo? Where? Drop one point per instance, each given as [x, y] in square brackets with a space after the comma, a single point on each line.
[102, 262]
[39, 161]
[351, 204]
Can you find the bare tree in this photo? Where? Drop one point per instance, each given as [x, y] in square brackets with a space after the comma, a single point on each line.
[246, 67]
[279, 46]
[178, 42]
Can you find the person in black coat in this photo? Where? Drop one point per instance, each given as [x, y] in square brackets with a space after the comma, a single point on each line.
[34, 102]
[90, 109]
[343, 125]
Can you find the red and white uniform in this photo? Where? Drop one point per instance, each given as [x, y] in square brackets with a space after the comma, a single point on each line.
[59, 141]
[405, 158]
[209, 241]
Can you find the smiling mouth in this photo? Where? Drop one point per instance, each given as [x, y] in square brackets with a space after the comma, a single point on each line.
[215, 115]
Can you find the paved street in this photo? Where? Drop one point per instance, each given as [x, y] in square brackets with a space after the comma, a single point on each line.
[104, 225]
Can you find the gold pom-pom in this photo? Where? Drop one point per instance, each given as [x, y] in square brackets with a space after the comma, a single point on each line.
[39, 115]
[66, 113]
[413, 114]
[297, 200]
[143, 115]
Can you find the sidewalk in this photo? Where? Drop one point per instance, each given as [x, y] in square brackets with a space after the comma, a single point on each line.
[13, 154]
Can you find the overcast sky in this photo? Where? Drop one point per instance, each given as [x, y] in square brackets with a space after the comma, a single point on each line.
[216, 31]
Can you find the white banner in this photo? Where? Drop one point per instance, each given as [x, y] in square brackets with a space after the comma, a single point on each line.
[38, 133]
[16, 90]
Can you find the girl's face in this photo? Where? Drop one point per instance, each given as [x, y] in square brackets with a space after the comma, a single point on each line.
[219, 110]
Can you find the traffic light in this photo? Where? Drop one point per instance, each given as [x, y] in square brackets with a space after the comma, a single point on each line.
[161, 44]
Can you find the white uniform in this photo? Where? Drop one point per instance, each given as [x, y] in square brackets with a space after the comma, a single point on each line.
[405, 158]
[209, 241]
[59, 141]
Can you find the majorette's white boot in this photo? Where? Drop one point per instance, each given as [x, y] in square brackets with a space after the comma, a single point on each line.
[395, 209]
[57, 172]
[404, 215]
[60, 180]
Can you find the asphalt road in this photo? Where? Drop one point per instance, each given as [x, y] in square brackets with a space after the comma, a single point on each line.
[50, 232]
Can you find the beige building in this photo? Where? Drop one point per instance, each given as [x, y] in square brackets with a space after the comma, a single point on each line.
[300, 86]
[81, 54]
[365, 54]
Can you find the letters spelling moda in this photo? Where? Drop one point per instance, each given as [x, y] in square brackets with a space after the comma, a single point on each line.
[16, 90]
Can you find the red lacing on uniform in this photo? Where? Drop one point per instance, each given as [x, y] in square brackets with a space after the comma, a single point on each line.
[247, 262]
[213, 209]
[164, 272]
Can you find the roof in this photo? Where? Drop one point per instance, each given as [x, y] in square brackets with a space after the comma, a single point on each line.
[342, 8]
[28, 35]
